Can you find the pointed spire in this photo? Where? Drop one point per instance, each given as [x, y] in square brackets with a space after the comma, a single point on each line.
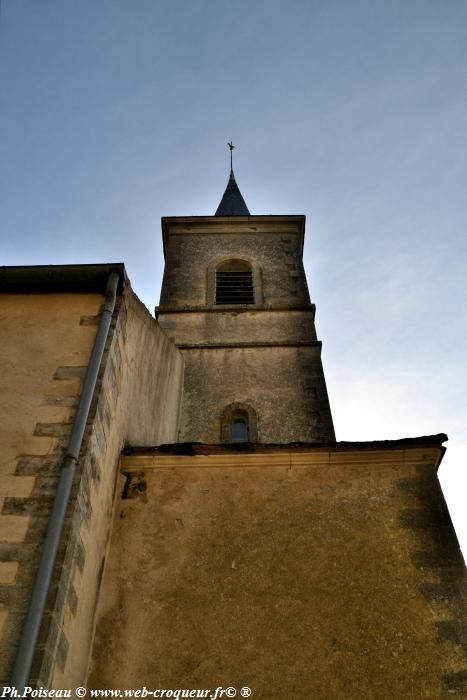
[232, 202]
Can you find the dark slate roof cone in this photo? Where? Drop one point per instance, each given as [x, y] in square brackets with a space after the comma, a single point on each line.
[232, 202]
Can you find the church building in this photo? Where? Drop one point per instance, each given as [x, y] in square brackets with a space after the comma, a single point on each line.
[176, 513]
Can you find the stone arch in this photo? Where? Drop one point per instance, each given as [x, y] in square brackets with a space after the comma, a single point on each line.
[232, 416]
[225, 260]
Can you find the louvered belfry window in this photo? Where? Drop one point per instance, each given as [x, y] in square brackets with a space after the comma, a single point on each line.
[234, 283]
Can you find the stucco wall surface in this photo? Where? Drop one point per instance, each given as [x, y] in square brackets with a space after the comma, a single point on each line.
[40, 336]
[301, 576]
[45, 348]
[138, 402]
[38, 333]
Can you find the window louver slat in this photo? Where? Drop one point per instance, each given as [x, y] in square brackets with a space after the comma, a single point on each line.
[234, 287]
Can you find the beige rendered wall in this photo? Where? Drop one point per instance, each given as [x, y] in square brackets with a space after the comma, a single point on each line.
[138, 402]
[45, 341]
[301, 574]
[47, 346]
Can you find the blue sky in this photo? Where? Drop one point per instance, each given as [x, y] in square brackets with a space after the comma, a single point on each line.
[116, 113]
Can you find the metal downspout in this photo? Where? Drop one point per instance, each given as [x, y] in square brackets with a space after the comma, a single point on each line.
[31, 628]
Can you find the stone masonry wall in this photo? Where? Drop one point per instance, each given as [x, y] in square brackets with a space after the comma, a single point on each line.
[273, 247]
[284, 385]
[262, 357]
[234, 325]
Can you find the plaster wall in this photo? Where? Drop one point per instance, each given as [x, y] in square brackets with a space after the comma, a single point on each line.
[316, 574]
[40, 335]
[47, 340]
[138, 402]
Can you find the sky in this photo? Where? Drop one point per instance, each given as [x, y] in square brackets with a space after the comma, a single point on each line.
[352, 112]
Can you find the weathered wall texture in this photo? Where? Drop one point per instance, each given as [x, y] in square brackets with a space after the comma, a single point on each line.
[221, 327]
[301, 574]
[251, 354]
[284, 385]
[44, 345]
[46, 348]
[272, 244]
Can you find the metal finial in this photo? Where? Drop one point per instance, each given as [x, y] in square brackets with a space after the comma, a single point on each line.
[231, 146]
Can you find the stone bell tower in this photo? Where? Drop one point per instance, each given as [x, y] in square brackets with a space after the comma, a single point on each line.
[235, 301]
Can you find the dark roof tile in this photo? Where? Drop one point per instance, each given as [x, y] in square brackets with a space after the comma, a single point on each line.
[232, 202]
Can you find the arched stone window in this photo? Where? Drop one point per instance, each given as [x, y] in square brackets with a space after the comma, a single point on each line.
[234, 283]
[239, 424]
[221, 273]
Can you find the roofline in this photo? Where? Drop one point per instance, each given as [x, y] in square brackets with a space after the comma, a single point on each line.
[342, 446]
[427, 451]
[167, 221]
[24, 279]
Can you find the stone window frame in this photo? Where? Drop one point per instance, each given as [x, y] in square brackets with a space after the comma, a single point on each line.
[211, 282]
[228, 415]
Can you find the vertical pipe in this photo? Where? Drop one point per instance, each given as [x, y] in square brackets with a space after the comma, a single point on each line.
[31, 628]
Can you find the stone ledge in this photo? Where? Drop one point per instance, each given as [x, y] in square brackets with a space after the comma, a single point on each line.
[240, 308]
[281, 457]
[252, 344]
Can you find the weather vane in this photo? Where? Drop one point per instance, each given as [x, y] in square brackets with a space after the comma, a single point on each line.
[231, 146]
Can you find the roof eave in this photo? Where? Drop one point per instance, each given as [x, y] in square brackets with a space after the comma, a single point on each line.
[92, 278]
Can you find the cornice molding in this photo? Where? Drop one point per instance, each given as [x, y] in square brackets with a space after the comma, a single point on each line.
[233, 225]
[429, 457]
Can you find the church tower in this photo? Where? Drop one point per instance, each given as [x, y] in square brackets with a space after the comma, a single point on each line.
[235, 302]
[262, 559]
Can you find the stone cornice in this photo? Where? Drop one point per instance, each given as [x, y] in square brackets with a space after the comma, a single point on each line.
[283, 224]
[251, 344]
[250, 308]
[353, 455]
